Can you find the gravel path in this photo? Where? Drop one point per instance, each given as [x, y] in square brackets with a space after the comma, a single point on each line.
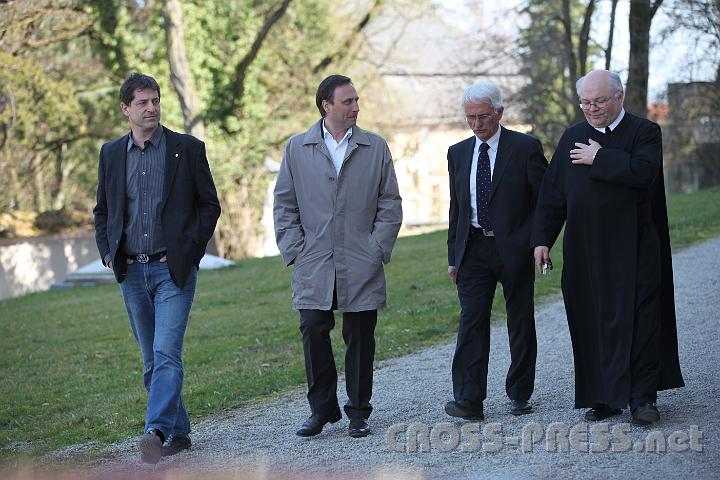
[259, 442]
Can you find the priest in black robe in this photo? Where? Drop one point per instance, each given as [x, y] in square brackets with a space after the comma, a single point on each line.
[605, 184]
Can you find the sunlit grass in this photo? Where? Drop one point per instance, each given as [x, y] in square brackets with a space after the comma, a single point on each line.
[70, 371]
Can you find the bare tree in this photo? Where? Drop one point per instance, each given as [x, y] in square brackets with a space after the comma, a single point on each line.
[641, 15]
[180, 74]
[608, 50]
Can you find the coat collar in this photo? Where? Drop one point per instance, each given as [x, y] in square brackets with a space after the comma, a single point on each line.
[504, 153]
[502, 158]
[314, 135]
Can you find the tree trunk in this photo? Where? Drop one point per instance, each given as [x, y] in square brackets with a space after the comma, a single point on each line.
[57, 189]
[584, 38]
[570, 59]
[180, 74]
[641, 15]
[608, 50]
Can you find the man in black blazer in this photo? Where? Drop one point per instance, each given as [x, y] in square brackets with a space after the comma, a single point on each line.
[495, 176]
[156, 211]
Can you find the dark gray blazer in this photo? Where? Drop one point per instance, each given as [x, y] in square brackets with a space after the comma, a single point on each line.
[189, 209]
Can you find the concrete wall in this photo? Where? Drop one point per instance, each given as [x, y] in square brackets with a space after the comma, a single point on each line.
[33, 264]
[691, 137]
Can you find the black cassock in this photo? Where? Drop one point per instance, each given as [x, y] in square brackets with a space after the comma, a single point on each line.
[617, 270]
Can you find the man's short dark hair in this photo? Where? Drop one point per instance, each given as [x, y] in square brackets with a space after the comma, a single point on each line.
[326, 90]
[137, 81]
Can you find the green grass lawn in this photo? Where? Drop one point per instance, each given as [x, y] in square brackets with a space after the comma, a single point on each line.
[70, 371]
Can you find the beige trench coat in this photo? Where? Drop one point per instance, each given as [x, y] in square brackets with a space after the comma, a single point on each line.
[337, 229]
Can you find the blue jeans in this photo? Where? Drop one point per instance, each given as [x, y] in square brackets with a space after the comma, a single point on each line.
[158, 311]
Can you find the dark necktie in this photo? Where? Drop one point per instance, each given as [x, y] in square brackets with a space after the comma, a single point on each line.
[607, 130]
[482, 186]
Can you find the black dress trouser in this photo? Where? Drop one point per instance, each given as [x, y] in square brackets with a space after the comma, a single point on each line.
[477, 279]
[359, 336]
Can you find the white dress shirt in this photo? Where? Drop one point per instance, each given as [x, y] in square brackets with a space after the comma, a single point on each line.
[337, 149]
[493, 143]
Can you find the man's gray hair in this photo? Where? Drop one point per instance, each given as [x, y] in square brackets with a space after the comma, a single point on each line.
[614, 83]
[480, 92]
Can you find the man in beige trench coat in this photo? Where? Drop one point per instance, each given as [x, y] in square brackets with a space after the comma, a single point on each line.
[337, 213]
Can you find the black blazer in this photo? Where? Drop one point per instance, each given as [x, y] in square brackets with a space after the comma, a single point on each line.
[519, 168]
[189, 210]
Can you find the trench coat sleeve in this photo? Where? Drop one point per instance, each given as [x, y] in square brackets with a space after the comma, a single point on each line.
[100, 213]
[389, 209]
[289, 234]
[551, 210]
[636, 169]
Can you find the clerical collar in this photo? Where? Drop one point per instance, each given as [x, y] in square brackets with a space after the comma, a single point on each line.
[614, 124]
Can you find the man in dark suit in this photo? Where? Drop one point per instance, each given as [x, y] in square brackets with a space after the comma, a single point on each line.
[495, 176]
[156, 211]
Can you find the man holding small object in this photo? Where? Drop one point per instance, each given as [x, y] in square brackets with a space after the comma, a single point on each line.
[495, 176]
[605, 184]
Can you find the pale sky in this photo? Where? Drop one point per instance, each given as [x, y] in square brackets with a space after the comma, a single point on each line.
[672, 60]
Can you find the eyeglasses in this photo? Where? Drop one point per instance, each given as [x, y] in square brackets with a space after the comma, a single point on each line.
[478, 118]
[598, 102]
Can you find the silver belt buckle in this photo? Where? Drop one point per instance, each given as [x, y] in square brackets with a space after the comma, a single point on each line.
[142, 258]
[488, 233]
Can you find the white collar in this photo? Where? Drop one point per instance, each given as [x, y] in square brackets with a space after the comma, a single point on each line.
[492, 141]
[326, 132]
[614, 124]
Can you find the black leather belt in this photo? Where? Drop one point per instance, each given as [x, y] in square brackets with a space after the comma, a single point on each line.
[143, 258]
[481, 231]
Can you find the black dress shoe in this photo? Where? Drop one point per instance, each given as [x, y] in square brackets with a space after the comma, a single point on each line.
[176, 444]
[314, 425]
[600, 412]
[358, 428]
[465, 409]
[520, 407]
[645, 414]
[150, 446]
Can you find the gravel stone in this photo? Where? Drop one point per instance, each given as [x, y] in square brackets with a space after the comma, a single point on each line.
[260, 441]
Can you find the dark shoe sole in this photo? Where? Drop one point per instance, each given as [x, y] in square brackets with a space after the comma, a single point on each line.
[594, 415]
[522, 411]
[452, 410]
[175, 447]
[151, 450]
[646, 417]
[304, 433]
[359, 433]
